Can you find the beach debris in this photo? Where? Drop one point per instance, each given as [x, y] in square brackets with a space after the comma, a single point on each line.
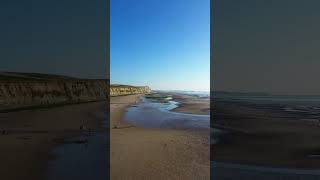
[123, 127]
[165, 145]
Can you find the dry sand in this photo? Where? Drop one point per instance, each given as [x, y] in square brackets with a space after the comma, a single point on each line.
[24, 152]
[157, 154]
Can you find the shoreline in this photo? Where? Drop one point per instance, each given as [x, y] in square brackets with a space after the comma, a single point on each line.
[140, 153]
[190, 104]
[254, 133]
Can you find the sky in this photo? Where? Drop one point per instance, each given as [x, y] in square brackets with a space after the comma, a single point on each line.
[164, 44]
[267, 46]
[66, 37]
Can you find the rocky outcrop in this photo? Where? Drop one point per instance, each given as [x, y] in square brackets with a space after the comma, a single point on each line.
[23, 92]
[118, 90]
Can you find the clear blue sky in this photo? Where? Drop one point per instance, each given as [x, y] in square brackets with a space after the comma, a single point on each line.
[161, 43]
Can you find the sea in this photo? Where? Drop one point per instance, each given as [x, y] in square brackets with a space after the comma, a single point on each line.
[297, 107]
[188, 92]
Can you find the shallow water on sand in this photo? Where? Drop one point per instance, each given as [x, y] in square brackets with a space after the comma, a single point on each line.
[81, 161]
[150, 114]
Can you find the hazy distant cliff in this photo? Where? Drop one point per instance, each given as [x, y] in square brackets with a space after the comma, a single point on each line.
[118, 90]
[23, 89]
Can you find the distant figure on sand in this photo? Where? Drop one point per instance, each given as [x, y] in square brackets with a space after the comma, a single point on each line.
[4, 132]
[83, 127]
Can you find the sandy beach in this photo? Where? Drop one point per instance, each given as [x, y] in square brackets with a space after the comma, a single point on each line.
[33, 133]
[145, 153]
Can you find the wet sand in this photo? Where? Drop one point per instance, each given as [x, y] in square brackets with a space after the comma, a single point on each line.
[145, 153]
[33, 133]
[191, 104]
[266, 138]
[230, 171]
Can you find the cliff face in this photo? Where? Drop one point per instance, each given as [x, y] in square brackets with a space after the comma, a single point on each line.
[23, 93]
[18, 90]
[118, 90]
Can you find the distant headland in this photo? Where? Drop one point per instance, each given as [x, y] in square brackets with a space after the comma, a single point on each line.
[119, 90]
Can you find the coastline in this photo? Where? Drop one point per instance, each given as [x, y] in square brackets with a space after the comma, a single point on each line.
[141, 153]
[33, 133]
